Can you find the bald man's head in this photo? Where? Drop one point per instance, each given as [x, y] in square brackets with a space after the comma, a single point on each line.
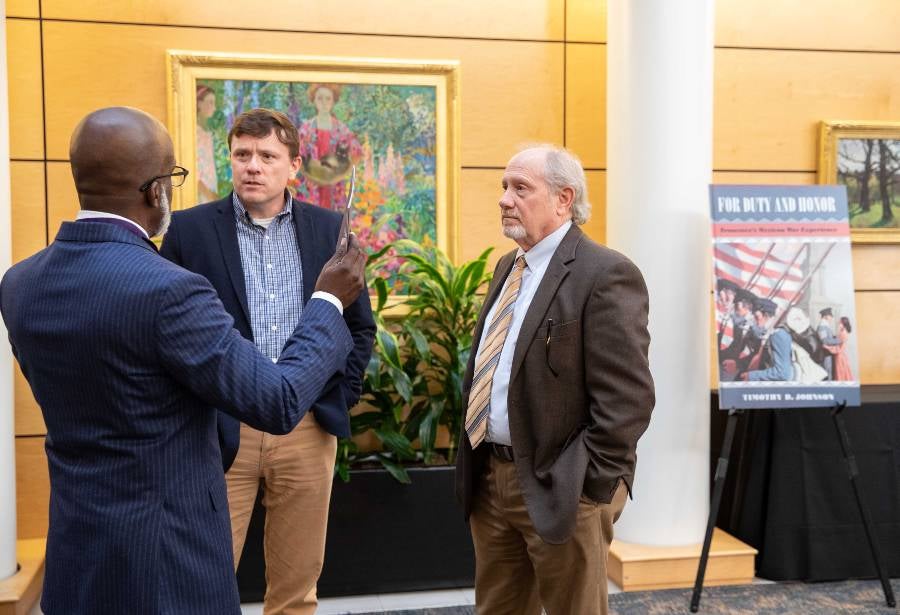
[115, 150]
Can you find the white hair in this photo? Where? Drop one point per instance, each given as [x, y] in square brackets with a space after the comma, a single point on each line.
[562, 169]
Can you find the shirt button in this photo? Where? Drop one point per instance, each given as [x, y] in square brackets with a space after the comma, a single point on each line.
[272, 296]
[268, 265]
[267, 237]
[274, 327]
[274, 360]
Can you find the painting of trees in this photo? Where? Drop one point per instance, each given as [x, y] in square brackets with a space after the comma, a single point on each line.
[870, 168]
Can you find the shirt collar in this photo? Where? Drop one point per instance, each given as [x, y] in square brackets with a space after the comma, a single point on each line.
[86, 214]
[541, 252]
[240, 212]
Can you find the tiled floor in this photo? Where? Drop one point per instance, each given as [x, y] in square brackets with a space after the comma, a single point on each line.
[391, 602]
[384, 602]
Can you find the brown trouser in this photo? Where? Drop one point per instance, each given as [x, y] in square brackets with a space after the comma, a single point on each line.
[516, 572]
[295, 471]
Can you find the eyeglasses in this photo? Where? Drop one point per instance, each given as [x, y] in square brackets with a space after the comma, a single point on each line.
[178, 176]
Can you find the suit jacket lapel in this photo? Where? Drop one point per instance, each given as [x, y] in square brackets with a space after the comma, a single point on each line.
[310, 254]
[557, 270]
[231, 252]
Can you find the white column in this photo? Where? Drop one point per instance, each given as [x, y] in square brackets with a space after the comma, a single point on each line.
[7, 424]
[659, 165]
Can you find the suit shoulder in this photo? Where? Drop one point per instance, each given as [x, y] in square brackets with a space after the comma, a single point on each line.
[601, 254]
[318, 215]
[198, 212]
[599, 259]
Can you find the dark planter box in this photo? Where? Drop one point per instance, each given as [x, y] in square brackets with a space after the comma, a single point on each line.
[383, 537]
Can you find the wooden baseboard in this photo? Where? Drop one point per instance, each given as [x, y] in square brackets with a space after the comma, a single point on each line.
[20, 592]
[636, 567]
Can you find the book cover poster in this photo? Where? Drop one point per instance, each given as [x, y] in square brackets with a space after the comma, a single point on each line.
[785, 323]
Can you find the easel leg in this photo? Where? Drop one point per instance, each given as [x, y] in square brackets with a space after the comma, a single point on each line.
[718, 487]
[844, 439]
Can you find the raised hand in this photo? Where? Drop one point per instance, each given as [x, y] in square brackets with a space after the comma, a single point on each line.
[343, 274]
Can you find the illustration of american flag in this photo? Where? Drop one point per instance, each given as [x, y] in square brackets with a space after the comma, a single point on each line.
[779, 277]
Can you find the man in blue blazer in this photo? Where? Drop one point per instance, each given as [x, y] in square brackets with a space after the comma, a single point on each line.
[261, 250]
[127, 356]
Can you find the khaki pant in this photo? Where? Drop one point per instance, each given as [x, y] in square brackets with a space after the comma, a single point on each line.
[516, 572]
[295, 472]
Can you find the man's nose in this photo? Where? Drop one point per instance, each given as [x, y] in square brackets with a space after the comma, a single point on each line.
[253, 164]
[505, 201]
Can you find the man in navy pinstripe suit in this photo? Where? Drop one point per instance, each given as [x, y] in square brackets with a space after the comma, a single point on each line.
[128, 355]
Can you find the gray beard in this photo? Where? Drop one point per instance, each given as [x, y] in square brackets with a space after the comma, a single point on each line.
[167, 215]
[514, 232]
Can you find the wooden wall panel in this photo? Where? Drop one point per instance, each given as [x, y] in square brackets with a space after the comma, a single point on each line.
[507, 19]
[23, 60]
[586, 20]
[32, 488]
[22, 8]
[768, 104]
[877, 334]
[62, 201]
[823, 24]
[586, 103]
[876, 267]
[28, 209]
[29, 420]
[511, 91]
[480, 214]
[756, 177]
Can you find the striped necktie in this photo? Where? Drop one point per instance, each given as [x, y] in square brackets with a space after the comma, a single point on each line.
[489, 356]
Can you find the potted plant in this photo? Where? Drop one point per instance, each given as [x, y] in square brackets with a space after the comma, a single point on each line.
[396, 526]
[413, 383]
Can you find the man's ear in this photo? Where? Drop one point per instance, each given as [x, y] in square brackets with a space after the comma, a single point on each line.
[296, 163]
[565, 198]
[151, 194]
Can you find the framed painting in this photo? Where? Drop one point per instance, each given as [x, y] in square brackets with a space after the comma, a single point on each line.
[395, 121]
[865, 157]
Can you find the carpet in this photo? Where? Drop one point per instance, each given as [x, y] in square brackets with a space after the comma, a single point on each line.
[845, 597]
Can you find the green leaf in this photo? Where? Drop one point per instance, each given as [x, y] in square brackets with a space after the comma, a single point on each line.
[343, 471]
[396, 442]
[377, 255]
[422, 346]
[395, 469]
[428, 427]
[364, 421]
[431, 272]
[402, 383]
[381, 291]
[387, 344]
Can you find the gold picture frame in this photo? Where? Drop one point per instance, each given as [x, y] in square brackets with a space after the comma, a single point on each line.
[849, 154]
[433, 144]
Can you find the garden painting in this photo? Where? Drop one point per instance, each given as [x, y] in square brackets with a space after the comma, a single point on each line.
[387, 131]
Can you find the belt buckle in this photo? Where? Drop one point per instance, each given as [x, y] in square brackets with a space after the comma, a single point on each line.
[502, 451]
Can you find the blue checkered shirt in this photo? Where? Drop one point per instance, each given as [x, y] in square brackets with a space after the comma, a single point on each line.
[273, 277]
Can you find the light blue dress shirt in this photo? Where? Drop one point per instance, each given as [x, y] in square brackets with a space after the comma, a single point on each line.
[536, 259]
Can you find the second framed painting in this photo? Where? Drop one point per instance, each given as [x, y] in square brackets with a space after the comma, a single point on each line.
[865, 157]
[396, 121]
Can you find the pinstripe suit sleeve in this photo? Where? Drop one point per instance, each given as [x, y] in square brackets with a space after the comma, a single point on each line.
[200, 348]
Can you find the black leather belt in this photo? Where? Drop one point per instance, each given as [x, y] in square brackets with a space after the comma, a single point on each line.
[501, 451]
